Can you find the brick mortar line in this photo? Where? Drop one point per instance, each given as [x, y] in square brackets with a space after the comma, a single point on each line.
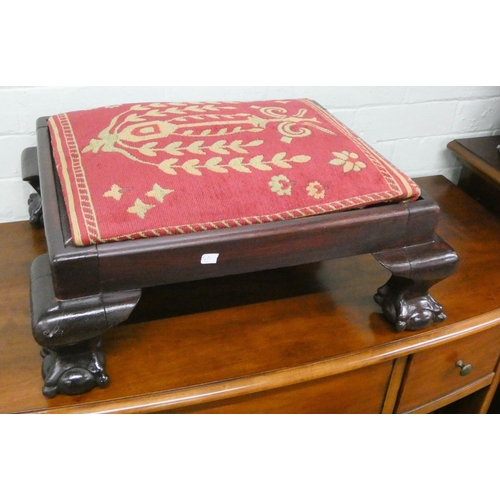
[16, 179]
[410, 103]
[451, 136]
[12, 135]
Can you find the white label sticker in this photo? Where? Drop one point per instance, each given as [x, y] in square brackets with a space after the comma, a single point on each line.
[209, 258]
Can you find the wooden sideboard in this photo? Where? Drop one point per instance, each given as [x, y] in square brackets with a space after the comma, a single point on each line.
[306, 339]
[480, 179]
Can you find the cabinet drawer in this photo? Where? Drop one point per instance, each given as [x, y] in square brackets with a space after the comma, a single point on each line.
[433, 374]
[359, 391]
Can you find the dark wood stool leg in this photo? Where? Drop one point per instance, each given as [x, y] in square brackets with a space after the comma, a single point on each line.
[70, 331]
[35, 210]
[405, 298]
[29, 168]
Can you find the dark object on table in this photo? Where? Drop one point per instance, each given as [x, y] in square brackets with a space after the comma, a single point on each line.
[79, 292]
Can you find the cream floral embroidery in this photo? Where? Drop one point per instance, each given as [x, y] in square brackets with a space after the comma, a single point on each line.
[281, 185]
[159, 193]
[140, 208]
[115, 192]
[348, 161]
[316, 190]
[215, 164]
[140, 132]
[221, 147]
[288, 126]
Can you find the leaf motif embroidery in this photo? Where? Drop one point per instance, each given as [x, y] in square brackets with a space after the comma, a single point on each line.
[193, 166]
[300, 158]
[173, 148]
[94, 146]
[155, 113]
[347, 161]
[237, 164]
[138, 107]
[195, 148]
[134, 118]
[147, 149]
[278, 161]
[190, 167]
[128, 129]
[257, 163]
[218, 147]
[213, 166]
[166, 166]
[175, 111]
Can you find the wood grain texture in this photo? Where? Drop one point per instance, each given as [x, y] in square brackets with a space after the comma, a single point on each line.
[480, 175]
[458, 397]
[360, 391]
[395, 381]
[481, 155]
[199, 343]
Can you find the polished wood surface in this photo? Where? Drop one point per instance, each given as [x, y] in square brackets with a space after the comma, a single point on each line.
[325, 395]
[279, 340]
[480, 175]
[482, 152]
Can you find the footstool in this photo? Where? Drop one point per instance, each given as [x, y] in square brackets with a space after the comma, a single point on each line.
[142, 195]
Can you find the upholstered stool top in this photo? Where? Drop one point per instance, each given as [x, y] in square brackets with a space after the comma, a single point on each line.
[155, 169]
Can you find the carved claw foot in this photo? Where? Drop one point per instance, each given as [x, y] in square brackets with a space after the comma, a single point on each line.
[69, 331]
[35, 210]
[74, 369]
[405, 299]
[409, 313]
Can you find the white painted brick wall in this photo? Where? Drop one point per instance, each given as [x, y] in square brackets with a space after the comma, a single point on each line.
[411, 126]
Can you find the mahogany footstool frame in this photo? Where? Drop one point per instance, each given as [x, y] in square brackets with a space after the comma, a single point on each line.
[77, 293]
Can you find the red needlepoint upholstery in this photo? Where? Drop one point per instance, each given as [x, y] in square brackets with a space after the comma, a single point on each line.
[157, 169]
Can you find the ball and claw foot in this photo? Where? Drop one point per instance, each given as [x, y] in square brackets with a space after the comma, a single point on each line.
[405, 299]
[409, 313]
[73, 370]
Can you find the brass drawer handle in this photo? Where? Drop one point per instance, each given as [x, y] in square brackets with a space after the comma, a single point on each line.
[464, 369]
